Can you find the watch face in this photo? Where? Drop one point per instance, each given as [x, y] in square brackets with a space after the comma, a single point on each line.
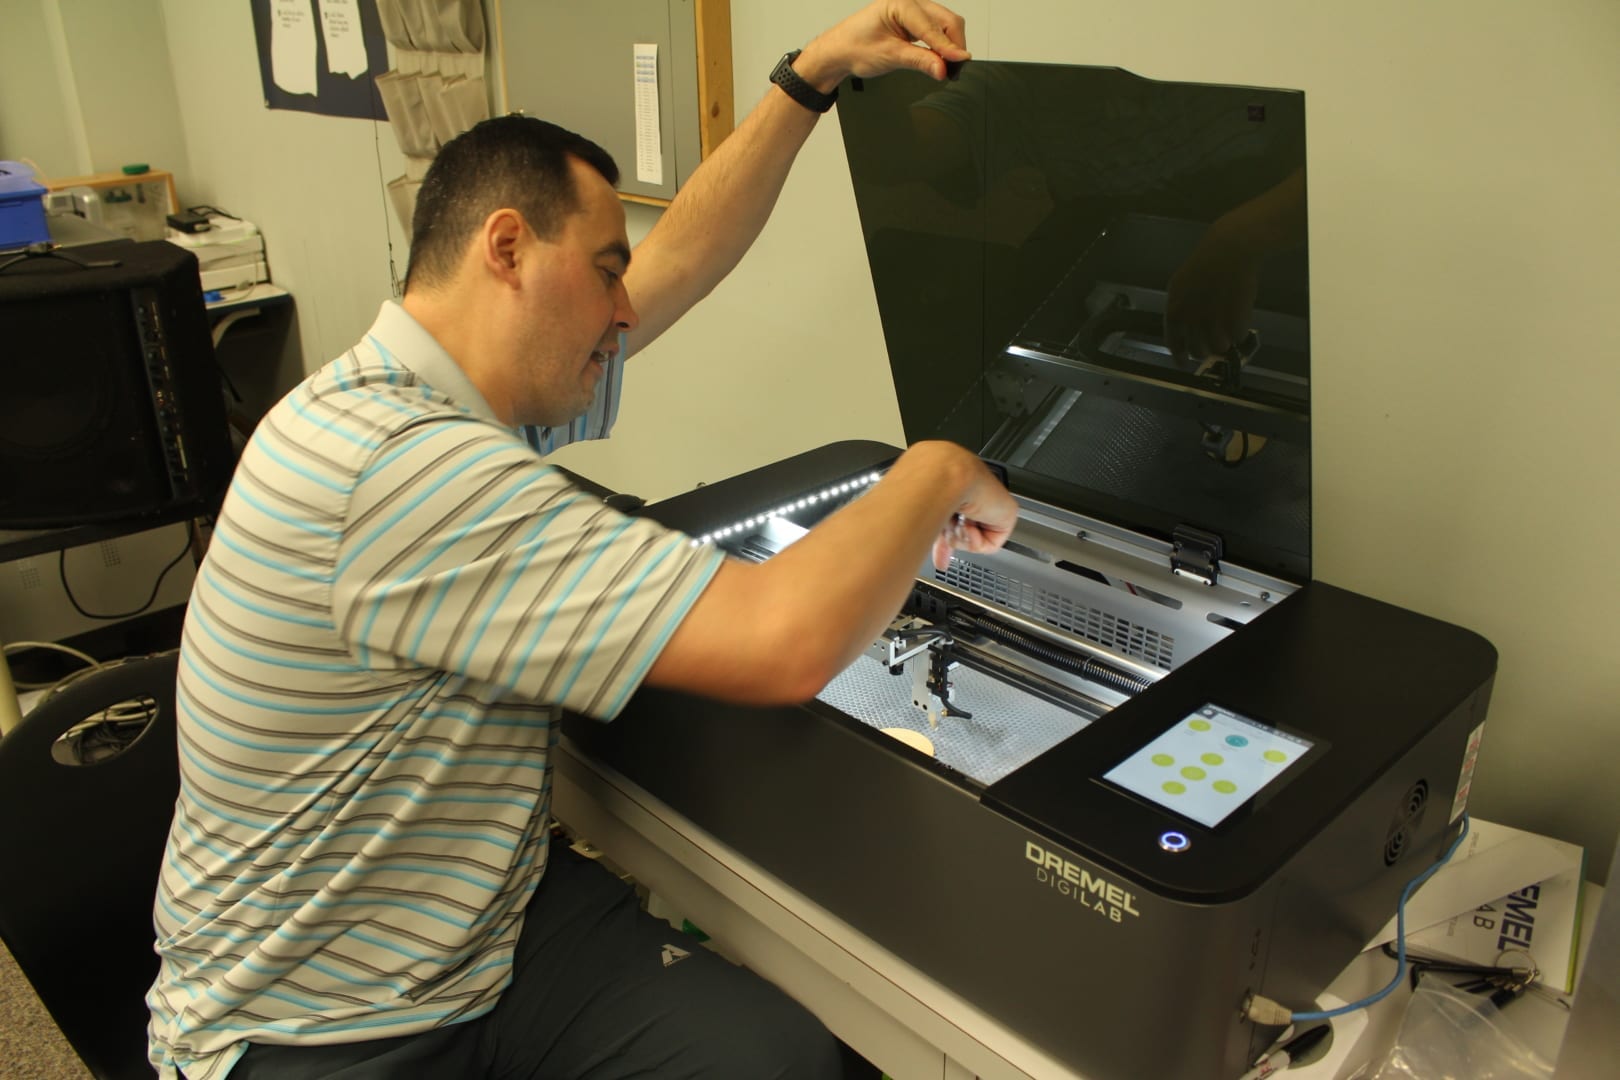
[799, 90]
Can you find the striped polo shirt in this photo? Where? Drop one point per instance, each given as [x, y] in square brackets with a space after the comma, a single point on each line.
[398, 596]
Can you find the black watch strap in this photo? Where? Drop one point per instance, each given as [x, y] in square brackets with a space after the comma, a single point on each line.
[799, 90]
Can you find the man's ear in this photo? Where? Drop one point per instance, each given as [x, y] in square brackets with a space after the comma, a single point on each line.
[501, 244]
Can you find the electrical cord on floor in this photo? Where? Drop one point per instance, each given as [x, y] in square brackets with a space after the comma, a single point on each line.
[1262, 1010]
[90, 662]
[61, 568]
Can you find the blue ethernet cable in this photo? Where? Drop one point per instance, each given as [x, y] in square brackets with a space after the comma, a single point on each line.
[1264, 1010]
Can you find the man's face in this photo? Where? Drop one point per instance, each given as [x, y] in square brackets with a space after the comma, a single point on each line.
[576, 305]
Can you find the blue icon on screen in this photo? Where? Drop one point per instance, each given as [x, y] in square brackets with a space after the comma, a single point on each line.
[1236, 740]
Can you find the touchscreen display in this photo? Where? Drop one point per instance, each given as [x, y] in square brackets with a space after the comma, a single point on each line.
[1212, 762]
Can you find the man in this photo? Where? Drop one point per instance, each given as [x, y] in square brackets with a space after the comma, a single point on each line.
[399, 595]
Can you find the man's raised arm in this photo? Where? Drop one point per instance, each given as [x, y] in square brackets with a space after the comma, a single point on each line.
[721, 209]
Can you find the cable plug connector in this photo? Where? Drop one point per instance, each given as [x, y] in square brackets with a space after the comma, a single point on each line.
[1264, 1011]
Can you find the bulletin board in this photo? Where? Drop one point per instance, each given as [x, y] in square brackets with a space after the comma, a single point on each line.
[321, 56]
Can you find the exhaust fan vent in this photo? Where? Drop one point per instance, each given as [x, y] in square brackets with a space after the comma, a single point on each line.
[1408, 816]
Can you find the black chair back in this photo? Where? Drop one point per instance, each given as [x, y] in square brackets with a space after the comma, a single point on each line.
[81, 846]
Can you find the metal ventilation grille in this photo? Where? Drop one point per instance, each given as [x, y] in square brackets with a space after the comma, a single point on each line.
[1054, 609]
[1407, 819]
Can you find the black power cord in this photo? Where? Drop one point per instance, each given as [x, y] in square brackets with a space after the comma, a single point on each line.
[61, 567]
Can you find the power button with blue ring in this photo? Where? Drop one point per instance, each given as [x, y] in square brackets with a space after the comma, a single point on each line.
[1174, 842]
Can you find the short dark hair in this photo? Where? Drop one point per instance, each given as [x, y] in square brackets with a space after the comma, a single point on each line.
[517, 162]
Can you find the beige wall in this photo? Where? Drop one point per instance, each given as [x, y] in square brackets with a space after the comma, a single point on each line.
[86, 86]
[33, 110]
[122, 83]
[1464, 217]
[312, 184]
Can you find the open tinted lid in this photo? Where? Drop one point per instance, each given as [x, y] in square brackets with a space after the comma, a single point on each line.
[1099, 281]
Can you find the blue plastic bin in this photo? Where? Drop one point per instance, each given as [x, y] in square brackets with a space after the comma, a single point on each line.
[22, 211]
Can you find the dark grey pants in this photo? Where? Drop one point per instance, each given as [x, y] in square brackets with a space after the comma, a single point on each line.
[593, 998]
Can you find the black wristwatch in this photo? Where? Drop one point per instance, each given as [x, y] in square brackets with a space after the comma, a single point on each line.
[799, 90]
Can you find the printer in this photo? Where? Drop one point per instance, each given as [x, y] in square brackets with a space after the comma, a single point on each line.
[1116, 781]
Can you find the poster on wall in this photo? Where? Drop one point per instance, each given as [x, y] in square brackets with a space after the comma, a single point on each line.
[321, 56]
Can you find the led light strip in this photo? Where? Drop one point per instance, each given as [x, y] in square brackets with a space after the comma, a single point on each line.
[826, 494]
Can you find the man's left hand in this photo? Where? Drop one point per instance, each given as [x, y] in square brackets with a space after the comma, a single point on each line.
[883, 37]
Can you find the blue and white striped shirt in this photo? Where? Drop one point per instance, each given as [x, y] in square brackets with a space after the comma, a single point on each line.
[398, 596]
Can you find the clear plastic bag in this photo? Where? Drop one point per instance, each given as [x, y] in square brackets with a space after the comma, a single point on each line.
[1451, 1034]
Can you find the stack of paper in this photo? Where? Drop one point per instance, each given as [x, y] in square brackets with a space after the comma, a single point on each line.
[1505, 895]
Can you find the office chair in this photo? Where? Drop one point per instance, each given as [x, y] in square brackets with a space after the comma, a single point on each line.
[81, 846]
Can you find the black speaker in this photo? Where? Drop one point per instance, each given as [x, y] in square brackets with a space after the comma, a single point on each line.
[110, 400]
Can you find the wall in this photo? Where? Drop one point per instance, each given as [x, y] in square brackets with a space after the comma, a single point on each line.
[312, 184]
[1463, 170]
[70, 97]
[33, 110]
[88, 85]
[122, 84]
[73, 102]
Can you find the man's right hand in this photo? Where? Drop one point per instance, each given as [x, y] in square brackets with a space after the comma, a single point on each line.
[985, 518]
[776, 632]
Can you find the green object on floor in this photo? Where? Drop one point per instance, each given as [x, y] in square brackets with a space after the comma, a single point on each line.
[688, 928]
